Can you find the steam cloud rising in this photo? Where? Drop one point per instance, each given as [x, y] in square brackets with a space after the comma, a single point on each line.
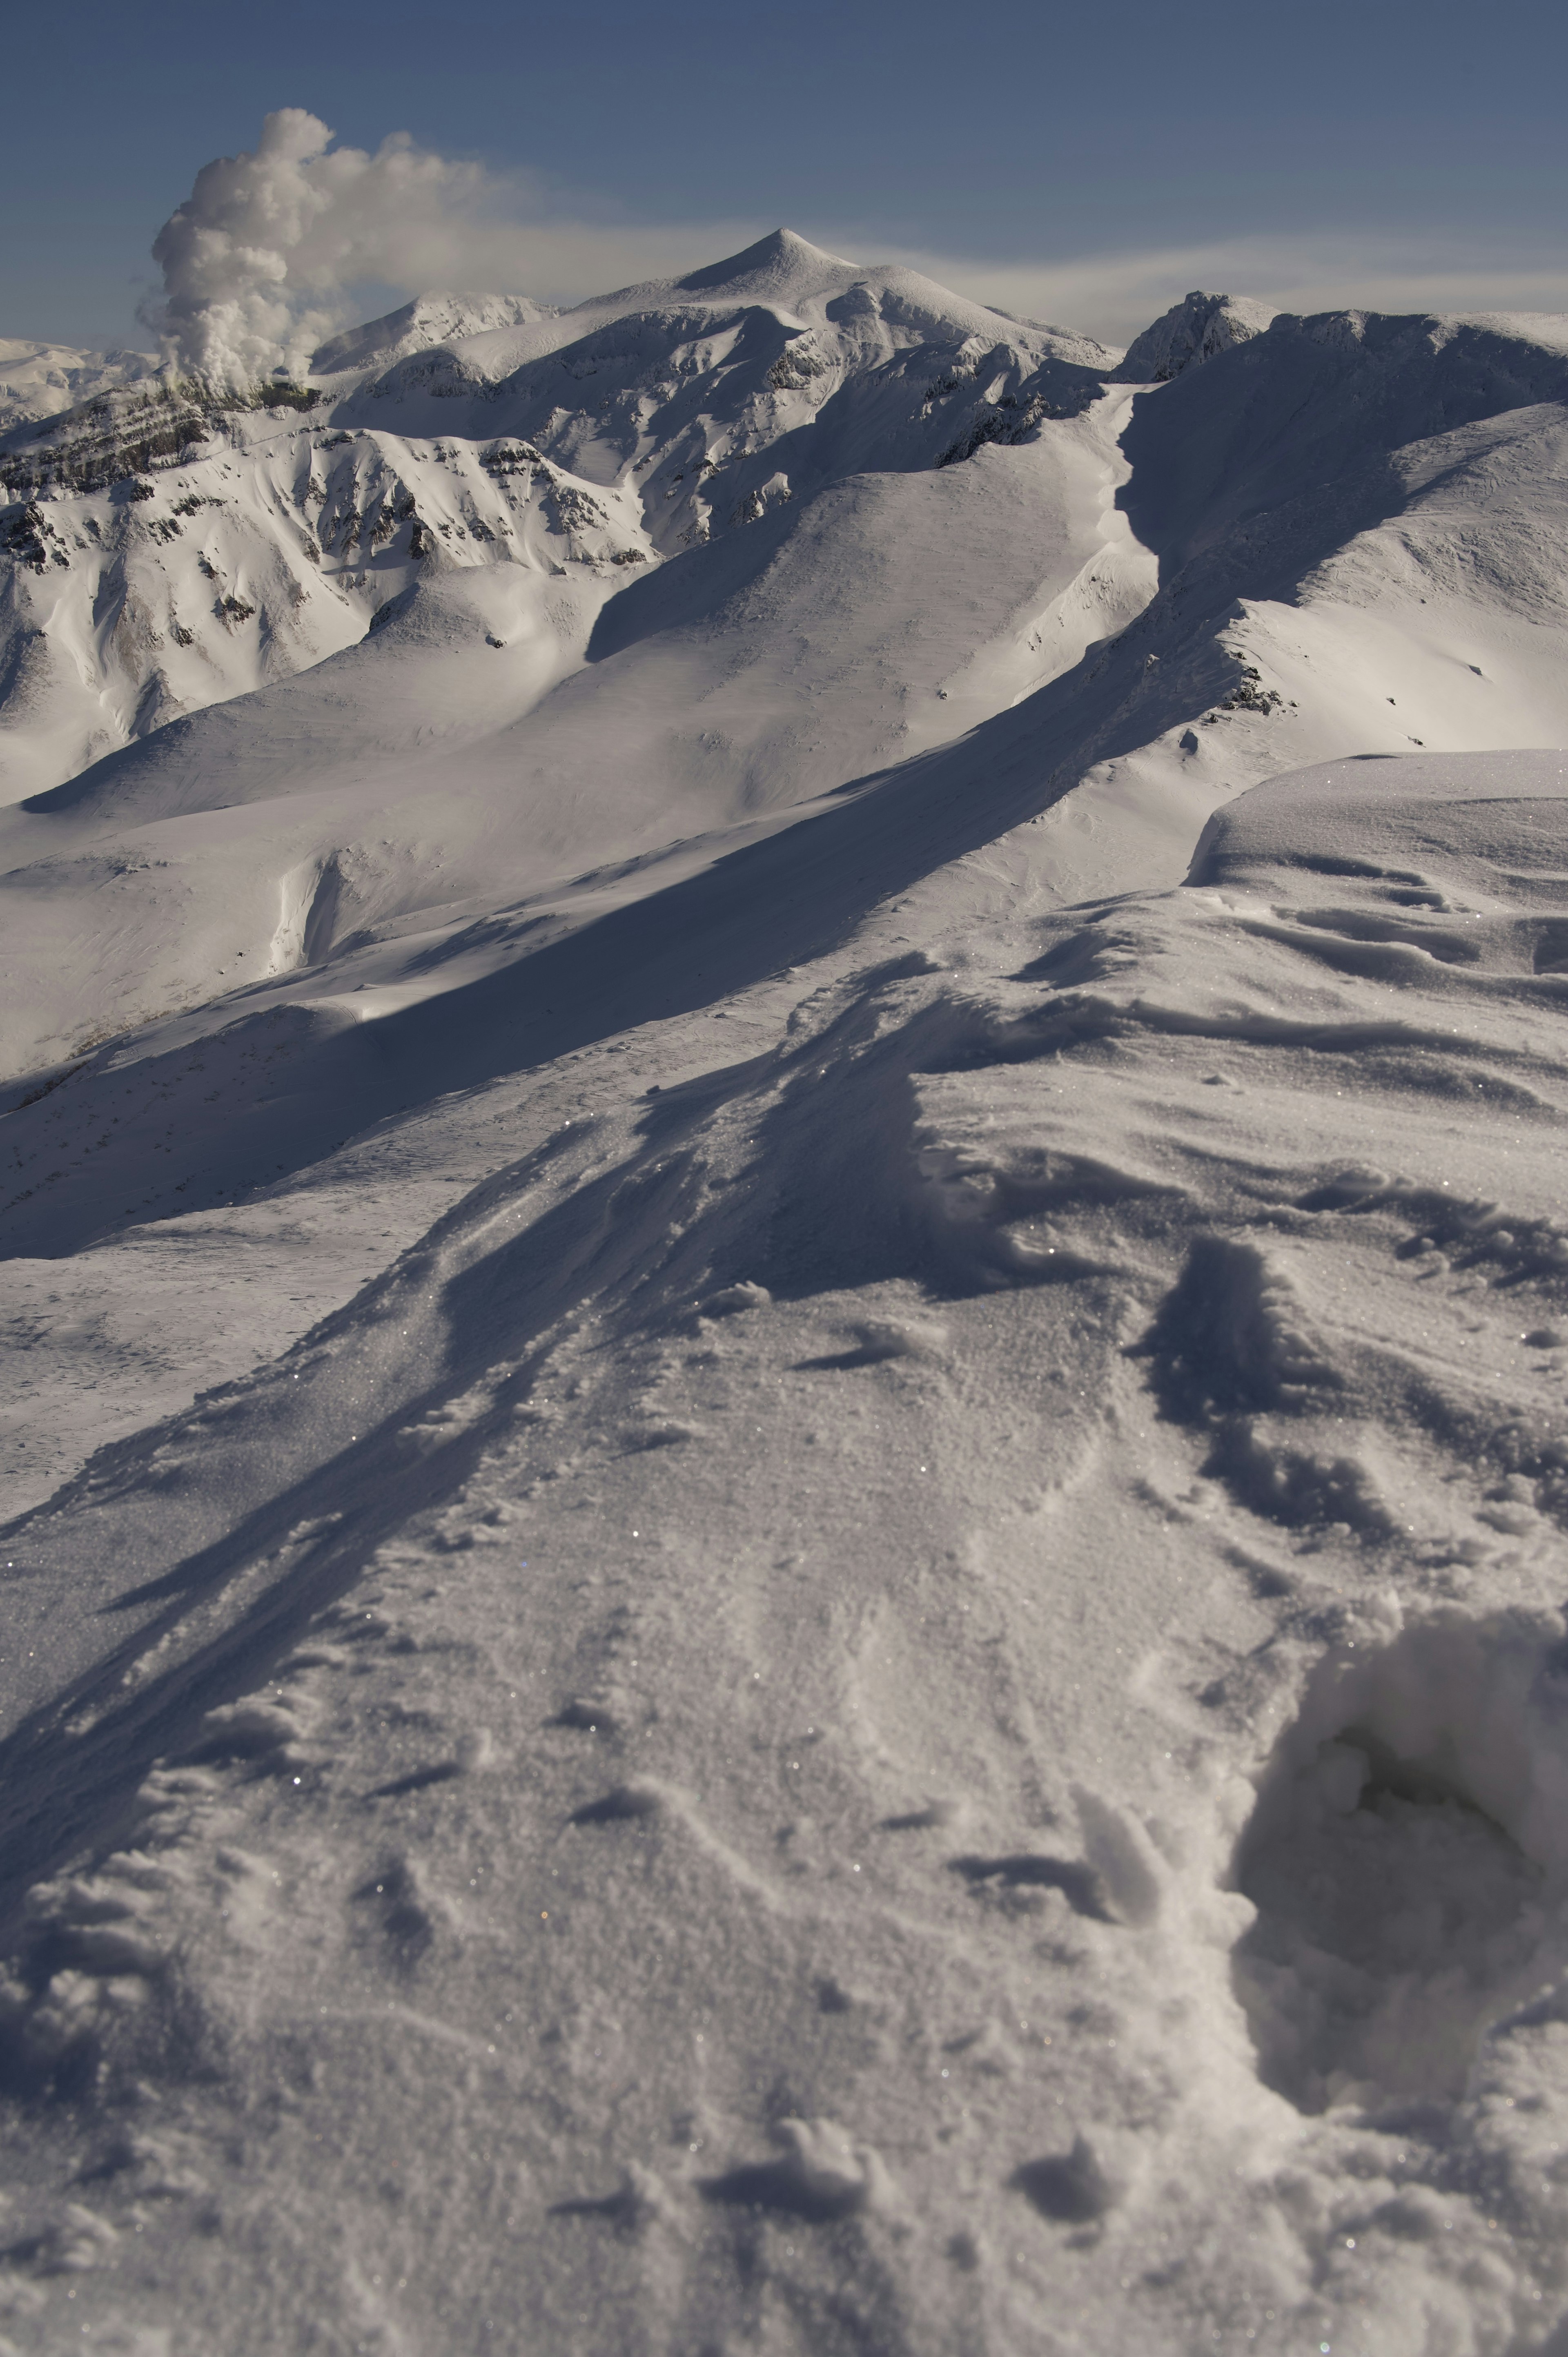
[254, 259]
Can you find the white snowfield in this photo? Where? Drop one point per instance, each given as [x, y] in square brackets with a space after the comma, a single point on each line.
[893, 1681]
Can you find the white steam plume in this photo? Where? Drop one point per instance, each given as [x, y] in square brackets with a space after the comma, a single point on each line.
[256, 255]
[258, 259]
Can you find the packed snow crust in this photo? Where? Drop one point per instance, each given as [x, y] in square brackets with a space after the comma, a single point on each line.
[889, 1680]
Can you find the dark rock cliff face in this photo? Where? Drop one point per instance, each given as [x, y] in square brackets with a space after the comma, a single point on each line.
[118, 434]
[27, 535]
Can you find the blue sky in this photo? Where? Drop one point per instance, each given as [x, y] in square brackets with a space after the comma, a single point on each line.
[1087, 164]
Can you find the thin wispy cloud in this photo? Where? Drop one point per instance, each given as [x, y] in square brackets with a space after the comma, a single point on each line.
[1115, 294]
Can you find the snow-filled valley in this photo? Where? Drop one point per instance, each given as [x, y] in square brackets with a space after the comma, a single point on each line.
[892, 1680]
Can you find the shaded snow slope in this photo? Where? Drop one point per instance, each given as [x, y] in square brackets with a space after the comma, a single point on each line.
[893, 1677]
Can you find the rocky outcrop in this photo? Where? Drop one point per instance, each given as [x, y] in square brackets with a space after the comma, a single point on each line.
[119, 434]
[1198, 328]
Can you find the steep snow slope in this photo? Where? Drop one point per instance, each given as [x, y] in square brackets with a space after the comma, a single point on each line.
[898, 1689]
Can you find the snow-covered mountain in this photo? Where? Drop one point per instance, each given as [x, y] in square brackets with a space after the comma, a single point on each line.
[173, 547]
[700, 552]
[787, 1306]
[40, 380]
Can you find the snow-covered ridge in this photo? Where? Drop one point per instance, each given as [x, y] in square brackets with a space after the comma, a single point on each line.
[429, 320]
[40, 380]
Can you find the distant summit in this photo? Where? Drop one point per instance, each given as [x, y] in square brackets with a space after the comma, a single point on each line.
[433, 318]
[786, 273]
[1198, 328]
[780, 271]
[779, 259]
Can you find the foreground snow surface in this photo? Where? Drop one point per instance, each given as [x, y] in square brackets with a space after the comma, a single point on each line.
[893, 1681]
[786, 1328]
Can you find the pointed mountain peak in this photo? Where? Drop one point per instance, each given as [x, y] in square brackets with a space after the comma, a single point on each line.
[781, 258]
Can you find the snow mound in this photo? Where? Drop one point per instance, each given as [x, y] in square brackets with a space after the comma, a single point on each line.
[821, 2175]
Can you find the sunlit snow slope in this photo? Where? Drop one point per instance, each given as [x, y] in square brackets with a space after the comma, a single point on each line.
[788, 1313]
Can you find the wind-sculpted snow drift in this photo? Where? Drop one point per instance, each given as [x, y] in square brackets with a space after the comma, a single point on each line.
[890, 1679]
